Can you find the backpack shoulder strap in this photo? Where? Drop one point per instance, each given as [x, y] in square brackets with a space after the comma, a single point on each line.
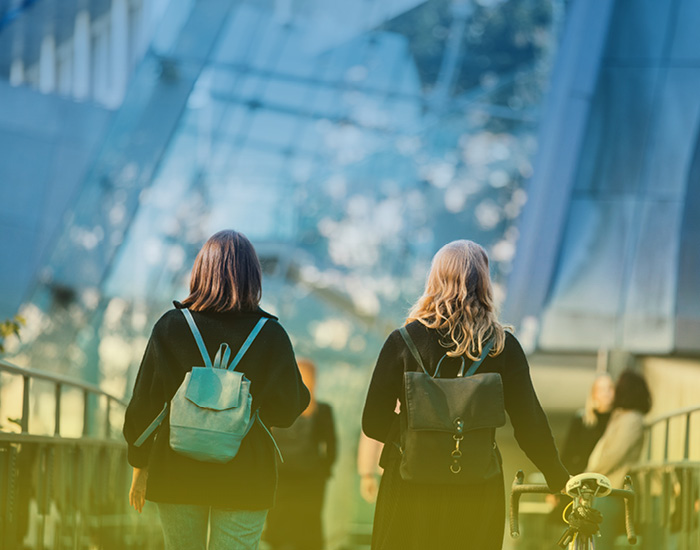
[476, 364]
[412, 347]
[197, 337]
[152, 427]
[251, 337]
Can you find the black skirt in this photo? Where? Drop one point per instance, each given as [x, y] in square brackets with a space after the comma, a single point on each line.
[423, 517]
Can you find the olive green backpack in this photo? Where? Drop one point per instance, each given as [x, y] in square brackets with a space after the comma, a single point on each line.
[448, 428]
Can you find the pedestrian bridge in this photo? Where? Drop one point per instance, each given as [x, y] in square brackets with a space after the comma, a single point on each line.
[66, 487]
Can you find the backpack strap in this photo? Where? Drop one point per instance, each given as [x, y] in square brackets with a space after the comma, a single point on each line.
[412, 347]
[251, 337]
[476, 364]
[197, 337]
[152, 427]
[437, 369]
[222, 357]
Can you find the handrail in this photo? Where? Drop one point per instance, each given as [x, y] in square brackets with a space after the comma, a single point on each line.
[665, 419]
[672, 414]
[68, 491]
[668, 512]
[57, 378]
[60, 382]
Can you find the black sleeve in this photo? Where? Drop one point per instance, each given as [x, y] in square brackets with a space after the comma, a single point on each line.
[571, 451]
[530, 424]
[280, 394]
[146, 403]
[384, 389]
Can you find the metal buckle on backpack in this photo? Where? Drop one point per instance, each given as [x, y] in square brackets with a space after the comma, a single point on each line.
[456, 454]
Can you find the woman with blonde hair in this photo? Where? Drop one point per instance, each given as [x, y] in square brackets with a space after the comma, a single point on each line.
[589, 424]
[455, 317]
[224, 503]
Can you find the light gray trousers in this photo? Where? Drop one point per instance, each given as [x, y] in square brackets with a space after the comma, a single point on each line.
[187, 527]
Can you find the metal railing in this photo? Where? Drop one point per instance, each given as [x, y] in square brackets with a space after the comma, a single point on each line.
[66, 492]
[668, 482]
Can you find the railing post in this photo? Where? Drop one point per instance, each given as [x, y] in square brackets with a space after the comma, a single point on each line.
[86, 413]
[667, 425]
[686, 444]
[57, 412]
[25, 405]
[107, 424]
[650, 429]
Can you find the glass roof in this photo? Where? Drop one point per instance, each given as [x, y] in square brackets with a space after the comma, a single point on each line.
[348, 158]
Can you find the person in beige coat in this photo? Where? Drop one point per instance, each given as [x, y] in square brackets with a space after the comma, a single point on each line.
[620, 448]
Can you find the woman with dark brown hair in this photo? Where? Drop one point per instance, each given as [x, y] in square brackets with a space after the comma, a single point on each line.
[227, 500]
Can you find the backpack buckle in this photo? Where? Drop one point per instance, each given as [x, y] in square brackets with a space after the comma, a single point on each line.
[456, 453]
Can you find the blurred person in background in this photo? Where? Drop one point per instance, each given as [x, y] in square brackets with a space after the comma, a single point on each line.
[588, 425]
[586, 428]
[619, 448]
[225, 503]
[309, 449]
[455, 314]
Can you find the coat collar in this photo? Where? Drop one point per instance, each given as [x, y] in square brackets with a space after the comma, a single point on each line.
[256, 312]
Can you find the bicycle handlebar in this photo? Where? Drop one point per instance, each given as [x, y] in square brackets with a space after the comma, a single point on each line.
[518, 488]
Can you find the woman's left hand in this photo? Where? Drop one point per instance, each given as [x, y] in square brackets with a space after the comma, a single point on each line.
[137, 493]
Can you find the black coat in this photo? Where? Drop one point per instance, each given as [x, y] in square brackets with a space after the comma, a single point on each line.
[248, 481]
[410, 515]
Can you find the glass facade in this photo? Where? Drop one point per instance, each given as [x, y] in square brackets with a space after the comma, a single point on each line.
[348, 140]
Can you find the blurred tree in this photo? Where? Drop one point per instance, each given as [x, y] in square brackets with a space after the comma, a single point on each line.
[8, 328]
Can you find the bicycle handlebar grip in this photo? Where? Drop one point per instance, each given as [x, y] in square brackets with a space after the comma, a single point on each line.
[629, 499]
[515, 505]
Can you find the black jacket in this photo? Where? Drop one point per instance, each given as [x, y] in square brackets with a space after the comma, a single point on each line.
[529, 421]
[248, 481]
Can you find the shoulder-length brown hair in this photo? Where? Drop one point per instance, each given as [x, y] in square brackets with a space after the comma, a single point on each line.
[226, 275]
[458, 301]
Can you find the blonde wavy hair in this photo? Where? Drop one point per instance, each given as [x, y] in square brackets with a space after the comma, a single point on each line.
[458, 301]
[590, 418]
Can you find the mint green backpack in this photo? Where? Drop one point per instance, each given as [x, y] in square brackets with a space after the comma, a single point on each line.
[210, 413]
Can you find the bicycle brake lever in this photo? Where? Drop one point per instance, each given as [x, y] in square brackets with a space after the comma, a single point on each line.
[566, 537]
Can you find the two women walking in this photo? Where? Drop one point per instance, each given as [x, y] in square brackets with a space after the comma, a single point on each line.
[452, 327]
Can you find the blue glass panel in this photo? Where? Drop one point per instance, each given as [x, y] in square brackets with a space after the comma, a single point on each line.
[650, 293]
[640, 30]
[585, 303]
[676, 113]
[618, 128]
[685, 33]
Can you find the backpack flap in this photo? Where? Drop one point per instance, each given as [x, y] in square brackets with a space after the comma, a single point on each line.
[434, 404]
[215, 389]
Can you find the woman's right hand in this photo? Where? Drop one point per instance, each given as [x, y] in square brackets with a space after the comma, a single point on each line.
[137, 493]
